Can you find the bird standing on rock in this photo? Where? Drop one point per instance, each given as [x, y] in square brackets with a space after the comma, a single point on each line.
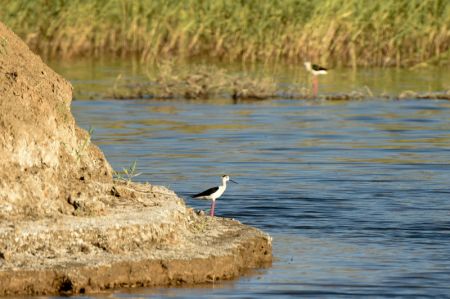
[214, 193]
[315, 70]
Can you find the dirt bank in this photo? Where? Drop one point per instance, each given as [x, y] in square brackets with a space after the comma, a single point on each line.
[67, 227]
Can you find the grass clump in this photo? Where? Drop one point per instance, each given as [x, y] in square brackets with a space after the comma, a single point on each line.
[198, 82]
[249, 88]
[127, 174]
[335, 32]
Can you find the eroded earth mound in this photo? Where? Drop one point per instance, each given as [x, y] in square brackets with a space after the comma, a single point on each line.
[47, 163]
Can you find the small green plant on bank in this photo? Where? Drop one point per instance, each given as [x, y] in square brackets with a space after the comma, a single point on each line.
[127, 174]
[81, 149]
[201, 225]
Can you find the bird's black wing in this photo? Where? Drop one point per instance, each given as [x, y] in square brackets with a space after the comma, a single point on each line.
[206, 192]
[317, 67]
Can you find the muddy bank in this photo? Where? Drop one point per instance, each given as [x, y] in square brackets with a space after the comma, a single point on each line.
[67, 227]
[153, 239]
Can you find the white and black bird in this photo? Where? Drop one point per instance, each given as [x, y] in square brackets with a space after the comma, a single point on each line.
[214, 192]
[315, 70]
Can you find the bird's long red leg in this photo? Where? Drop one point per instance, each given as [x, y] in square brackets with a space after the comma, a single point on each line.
[213, 204]
[315, 86]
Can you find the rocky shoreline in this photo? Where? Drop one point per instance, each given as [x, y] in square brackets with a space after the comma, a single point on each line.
[67, 227]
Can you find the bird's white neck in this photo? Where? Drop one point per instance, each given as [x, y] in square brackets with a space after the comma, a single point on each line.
[308, 66]
[224, 183]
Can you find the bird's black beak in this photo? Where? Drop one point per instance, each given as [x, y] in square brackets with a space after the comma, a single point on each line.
[233, 181]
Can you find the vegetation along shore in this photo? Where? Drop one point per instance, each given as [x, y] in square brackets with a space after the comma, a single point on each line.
[339, 32]
[169, 80]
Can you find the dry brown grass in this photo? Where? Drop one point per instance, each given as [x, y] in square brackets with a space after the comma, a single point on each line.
[338, 32]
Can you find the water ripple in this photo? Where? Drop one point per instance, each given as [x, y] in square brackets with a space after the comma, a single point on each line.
[356, 195]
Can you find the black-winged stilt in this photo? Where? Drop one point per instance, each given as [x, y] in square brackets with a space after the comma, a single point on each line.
[214, 193]
[315, 70]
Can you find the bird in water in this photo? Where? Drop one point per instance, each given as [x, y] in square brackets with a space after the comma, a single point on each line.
[315, 70]
[214, 193]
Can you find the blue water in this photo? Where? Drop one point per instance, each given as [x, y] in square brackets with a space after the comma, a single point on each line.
[355, 194]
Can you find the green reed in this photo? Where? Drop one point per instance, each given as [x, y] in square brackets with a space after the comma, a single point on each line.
[336, 32]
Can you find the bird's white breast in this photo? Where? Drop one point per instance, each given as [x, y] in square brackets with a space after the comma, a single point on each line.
[319, 72]
[218, 193]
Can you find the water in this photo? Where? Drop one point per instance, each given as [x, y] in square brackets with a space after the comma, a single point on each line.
[355, 194]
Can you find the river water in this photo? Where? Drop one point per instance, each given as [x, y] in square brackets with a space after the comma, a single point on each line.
[355, 194]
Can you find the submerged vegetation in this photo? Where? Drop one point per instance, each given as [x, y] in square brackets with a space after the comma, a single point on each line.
[169, 81]
[337, 32]
[198, 82]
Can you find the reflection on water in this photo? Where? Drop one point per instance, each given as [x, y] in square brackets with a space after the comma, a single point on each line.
[356, 194]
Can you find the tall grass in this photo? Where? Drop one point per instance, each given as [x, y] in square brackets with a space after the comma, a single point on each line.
[337, 32]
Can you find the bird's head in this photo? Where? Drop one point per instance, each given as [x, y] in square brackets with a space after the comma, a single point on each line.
[226, 178]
